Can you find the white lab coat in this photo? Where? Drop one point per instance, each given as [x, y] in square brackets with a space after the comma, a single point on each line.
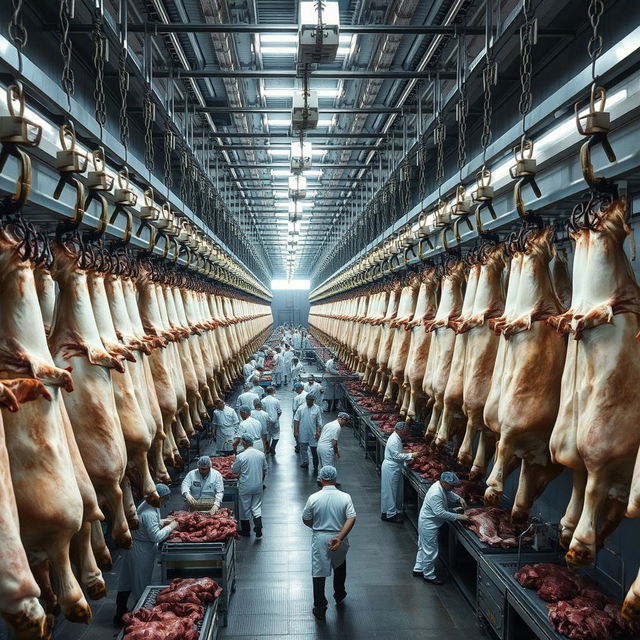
[391, 476]
[255, 428]
[226, 422]
[137, 564]
[247, 398]
[433, 515]
[250, 465]
[309, 419]
[247, 370]
[296, 372]
[271, 405]
[298, 401]
[329, 433]
[257, 390]
[211, 486]
[287, 356]
[329, 509]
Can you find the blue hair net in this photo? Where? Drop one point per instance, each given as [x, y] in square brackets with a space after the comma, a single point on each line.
[162, 490]
[204, 461]
[327, 473]
[450, 478]
[401, 426]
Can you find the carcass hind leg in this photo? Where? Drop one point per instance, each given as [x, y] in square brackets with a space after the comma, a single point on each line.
[138, 469]
[389, 393]
[41, 570]
[89, 574]
[28, 620]
[495, 482]
[156, 461]
[129, 505]
[465, 454]
[569, 521]
[484, 453]
[179, 433]
[115, 502]
[582, 549]
[631, 606]
[99, 546]
[72, 601]
[406, 399]
[533, 480]
[185, 418]
[434, 421]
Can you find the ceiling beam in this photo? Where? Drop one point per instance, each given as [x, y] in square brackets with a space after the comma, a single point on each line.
[296, 136]
[266, 110]
[287, 166]
[280, 147]
[326, 74]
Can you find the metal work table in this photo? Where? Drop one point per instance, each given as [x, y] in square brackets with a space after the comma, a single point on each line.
[202, 559]
[207, 627]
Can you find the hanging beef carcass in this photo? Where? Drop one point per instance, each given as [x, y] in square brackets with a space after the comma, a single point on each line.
[365, 333]
[19, 592]
[480, 357]
[386, 339]
[36, 438]
[443, 337]
[596, 432]
[452, 421]
[530, 378]
[374, 338]
[75, 340]
[413, 405]
[401, 342]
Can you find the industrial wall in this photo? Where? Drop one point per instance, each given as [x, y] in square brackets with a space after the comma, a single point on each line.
[290, 306]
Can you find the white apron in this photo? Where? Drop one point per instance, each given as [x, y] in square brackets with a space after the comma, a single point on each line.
[323, 560]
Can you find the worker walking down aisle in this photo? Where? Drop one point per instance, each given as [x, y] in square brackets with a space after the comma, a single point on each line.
[328, 450]
[251, 467]
[391, 475]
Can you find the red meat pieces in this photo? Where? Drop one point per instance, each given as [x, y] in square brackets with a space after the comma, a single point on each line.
[198, 527]
[493, 527]
[223, 465]
[193, 590]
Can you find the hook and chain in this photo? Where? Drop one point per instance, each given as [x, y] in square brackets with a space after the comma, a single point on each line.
[169, 144]
[17, 31]
[66, 47]
[462, 106]
[439, 136]
[489, 80]
[99, 56]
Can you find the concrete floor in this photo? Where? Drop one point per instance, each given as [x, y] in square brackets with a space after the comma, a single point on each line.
[273, 596]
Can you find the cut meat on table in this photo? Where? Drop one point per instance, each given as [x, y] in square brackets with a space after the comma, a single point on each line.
[493, 527]
[194, 590]
[198, 527]
[223, 465]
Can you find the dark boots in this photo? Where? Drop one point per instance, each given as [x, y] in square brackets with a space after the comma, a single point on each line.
[121, 607]
[257, 527]
[272, 447]
[245, 528]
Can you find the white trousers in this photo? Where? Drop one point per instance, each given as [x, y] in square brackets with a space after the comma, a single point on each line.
[250, 505]
[390, 488]
[273, 430]
[326, 455]
[427, 551]
[277, 378]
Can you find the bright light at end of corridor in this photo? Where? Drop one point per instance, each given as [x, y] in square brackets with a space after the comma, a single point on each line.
[302, 285]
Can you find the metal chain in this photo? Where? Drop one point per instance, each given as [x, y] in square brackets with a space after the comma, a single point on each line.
[99, 55]
[123, 82]
[527, 40]
[183, 174]
[17, 31]
[169, 143]
[67, 81]
[422, 169]
[149, 116]
[489, 78]
[439, 136]
[595, 11]
[461, 115]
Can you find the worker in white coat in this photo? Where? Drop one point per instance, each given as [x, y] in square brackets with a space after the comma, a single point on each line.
[251, 467]
[225, 424]
[391, 474]
[328, 451]
[330, 514]
[278, 367]
[307, 424]
[297, 369]
[271, 405]
[203, 483]
[247, 397]
[314, 386]
[137, 568]
[298, 401]
[287, 356]
[256, 388]
[248, 424]
[434, 513]
[249, 368]
[333, 391]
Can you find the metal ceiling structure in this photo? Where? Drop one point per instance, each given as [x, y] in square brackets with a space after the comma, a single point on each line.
[221, 73]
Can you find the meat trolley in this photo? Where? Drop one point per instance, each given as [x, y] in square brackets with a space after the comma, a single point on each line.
[208, 626]
[202, 559]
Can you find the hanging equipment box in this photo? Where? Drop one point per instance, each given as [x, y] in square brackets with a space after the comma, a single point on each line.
[319, 32]
[301, 117]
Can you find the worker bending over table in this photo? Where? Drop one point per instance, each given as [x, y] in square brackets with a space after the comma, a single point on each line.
[203, 483]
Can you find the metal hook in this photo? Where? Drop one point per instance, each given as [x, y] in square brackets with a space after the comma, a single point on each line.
[524, 171]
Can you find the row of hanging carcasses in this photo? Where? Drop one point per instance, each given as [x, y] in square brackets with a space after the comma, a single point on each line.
[505, 351]
[109, 365]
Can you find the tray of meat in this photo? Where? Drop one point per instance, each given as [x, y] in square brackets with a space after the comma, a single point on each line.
[223, 465]
[571, 603]
[372, 405]
[384, 423]
[194, 527]
[489, 530]
[183, 610]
